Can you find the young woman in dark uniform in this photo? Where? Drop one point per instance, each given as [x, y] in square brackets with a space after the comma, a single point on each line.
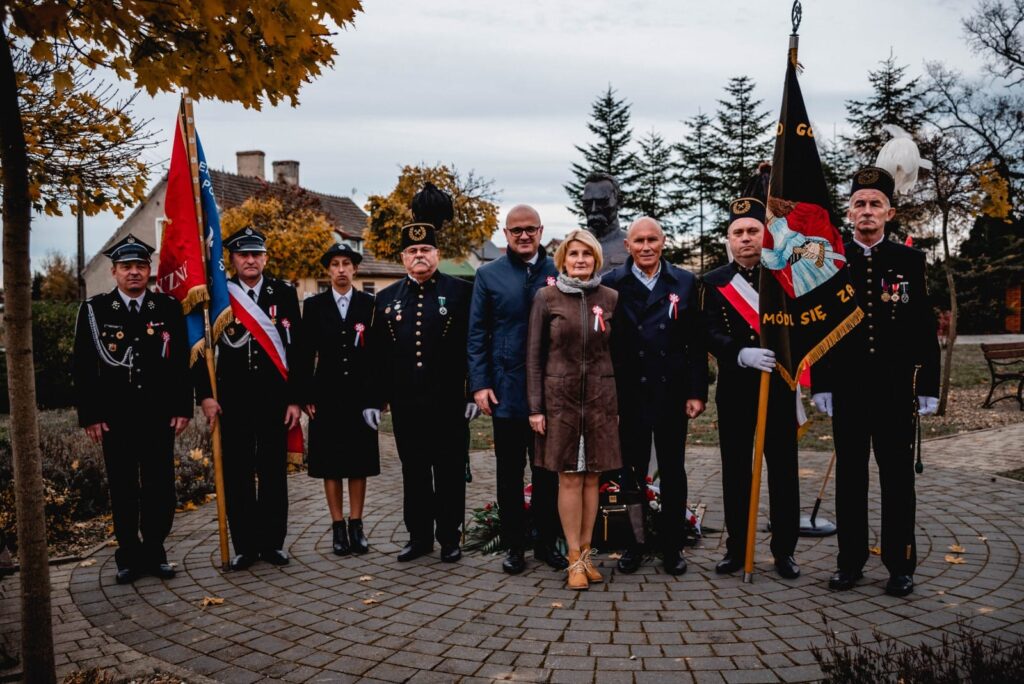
[341, 446]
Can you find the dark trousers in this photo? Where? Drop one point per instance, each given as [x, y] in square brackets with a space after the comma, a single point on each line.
[513, 449]
[669, 434]
[432, 446]
[737, 420]
[139, 457]
[255, 474]
[875, 412]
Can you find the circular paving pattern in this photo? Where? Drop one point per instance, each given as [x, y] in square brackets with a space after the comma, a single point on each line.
[370, 618]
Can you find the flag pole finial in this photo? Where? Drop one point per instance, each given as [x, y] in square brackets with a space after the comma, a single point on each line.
[795, 15]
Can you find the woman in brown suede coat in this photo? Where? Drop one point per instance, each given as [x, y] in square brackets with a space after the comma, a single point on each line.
[571, 392]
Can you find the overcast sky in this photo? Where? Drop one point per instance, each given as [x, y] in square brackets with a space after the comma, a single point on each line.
[505, 88]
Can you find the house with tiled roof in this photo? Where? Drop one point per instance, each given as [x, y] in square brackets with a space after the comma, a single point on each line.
[231, 190]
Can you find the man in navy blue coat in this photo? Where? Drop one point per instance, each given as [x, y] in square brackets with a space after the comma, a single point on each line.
[499, 317]
[661, 375]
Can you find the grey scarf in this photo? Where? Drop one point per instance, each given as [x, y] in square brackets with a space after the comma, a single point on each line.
[570, 285]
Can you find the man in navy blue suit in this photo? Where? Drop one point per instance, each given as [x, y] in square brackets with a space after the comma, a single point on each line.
[661, 374]
[498, 320]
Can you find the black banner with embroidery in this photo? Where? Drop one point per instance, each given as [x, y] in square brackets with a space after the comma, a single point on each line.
[806, 300]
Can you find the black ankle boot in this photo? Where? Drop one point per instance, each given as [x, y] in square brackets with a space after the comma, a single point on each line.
[355, 535]
[340, 541]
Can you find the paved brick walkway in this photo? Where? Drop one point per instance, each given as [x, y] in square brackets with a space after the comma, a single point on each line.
[371, 619]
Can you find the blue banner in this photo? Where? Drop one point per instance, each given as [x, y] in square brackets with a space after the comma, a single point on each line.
[216, 275]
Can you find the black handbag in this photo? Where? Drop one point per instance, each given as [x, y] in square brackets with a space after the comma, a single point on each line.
[620, 520]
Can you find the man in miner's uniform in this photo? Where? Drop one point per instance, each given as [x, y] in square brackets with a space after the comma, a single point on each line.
[874, 381]
[731, 306]
[418, 343]
[130, 371]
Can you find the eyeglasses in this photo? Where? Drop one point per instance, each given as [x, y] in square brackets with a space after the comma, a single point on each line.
[519, 230]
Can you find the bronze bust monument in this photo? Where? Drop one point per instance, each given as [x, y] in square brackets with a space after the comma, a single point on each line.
[601, 197]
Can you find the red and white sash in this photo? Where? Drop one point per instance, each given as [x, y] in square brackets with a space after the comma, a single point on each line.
[743, 297]
[257, 322]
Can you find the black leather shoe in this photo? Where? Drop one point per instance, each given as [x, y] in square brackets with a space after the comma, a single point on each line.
[728, 565]
[899, 585]
[163, 571]
[843, 580]
[243, 561]
[674, 563]
[451, 554]
[275, 557]
[630, 561]
[787, 567]
[549, 554]
[358, 540]
[126, 576]
[514, 562]
[339, 539]
[414, 550]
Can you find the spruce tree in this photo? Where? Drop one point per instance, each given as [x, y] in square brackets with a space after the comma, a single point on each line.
[654, 178]
[893, 100]
[740, 141]
[741, 137]
[837, 165]
[896, 100]
[610, 124]
[697, 178]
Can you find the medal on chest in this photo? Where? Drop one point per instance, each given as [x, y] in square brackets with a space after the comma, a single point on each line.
[441, 308]
[673, 306]
[598, 318]
[165, 349]
[272, 310]
[287, 325]
[360, 340]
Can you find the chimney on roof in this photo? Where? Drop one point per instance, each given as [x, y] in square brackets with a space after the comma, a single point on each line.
[250, 164]
[286, 172]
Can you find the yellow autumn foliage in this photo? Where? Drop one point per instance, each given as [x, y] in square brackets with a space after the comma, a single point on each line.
[476, 214]
[994, 192]
[80, 137]
[244, 51]
[295, 239]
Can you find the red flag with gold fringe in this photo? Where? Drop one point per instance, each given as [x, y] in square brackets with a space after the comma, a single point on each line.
[182, 269]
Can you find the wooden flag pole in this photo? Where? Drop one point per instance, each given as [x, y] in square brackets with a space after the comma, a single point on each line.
[218, 457]
[755, 480]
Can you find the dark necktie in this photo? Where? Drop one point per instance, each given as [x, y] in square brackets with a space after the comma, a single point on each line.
[133, 306]
[252, 293]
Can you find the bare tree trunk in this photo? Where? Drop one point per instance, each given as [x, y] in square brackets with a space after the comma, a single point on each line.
[80, 267]
[36, 627]
[947, 365]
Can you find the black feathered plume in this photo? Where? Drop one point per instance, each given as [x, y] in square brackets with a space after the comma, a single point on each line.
[432, 205]
[757, 186]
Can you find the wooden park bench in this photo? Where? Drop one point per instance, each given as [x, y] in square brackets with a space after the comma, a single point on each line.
[1006, 364]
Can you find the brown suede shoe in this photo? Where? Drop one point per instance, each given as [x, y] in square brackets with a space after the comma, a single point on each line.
[587, 556]
[577, 572]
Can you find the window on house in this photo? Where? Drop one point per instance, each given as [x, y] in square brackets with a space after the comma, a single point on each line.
[369, 287]
[158, 231]
[322, 286]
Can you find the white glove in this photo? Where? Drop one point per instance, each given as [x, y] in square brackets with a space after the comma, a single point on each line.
[472, 410]
[926, 406]
[823, 402]
[372, 418]
[757, 358]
